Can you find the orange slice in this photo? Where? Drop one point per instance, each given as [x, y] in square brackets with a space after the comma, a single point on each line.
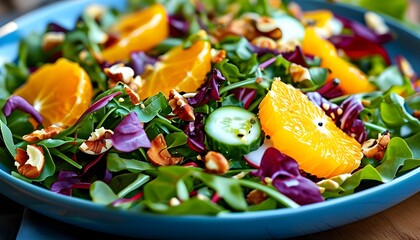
[61, 92]
[180, 69]
[303, 131]
[138, 31]
[352, 79]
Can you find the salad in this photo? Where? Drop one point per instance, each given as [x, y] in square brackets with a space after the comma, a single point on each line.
[187, 107]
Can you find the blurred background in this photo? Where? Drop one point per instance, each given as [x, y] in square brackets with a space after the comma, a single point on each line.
[406, 11]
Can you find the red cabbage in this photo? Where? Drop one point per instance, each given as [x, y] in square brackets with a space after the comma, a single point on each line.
[357, 47]
[196, 135]
[363, 31]
[209, 90]
[331, 89]
[98, 105]
[178, 26]
[129, 135]
[139, 60]
[246, 95]
[18, 103]
[285, 175]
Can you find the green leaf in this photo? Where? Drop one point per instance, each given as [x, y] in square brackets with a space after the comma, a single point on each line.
[133, 185]
[117, 164]
[192, 206]
[227, 188]
[268, 204]
[367, 173]
[176, 139]
[7, 138]
[397, 152]
[413, 143]
[101, 193]
[153, 106]
[271, 192]
[318, 75]
[388, 78]
[61, 155]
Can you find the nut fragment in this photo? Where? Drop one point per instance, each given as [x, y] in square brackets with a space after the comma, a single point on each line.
[217, 55]
[180, 106]
[333, 183]
[256, 197]
[30, 163]
[375, 148]
[299, 73]
[134, 97]
[98, 142]
[268, 27]
[42, 134]
[52, 40]
[159, 155]
[119, 73]
[264, 42]
[216, 163]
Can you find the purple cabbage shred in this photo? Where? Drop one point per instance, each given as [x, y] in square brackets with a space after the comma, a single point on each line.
[363, 31]
[196, 135]
[129, 134]
[286, 178]
[331, 89]
[139, 60]
[246, 95]
[65, 182]
[178, 26]
[357, 47]
[209, 90]
[296, 56]
[18, 103]
[98, 105]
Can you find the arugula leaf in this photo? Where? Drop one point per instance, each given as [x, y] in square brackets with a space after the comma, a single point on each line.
[101, 193]
[117, 164]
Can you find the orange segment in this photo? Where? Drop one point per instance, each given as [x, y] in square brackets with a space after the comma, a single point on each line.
[322, 20]
[138, 31]
[303, 131]
[61, 92]
[352, 79]
[180, 69]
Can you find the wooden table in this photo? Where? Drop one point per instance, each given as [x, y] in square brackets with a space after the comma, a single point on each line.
[401, 222]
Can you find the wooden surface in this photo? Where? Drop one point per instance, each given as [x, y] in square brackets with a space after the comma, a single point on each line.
[401, 222]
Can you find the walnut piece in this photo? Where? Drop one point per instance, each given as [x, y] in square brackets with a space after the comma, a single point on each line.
[180, 106]
[42, 134]
[52, 40]
[375, 148]
[98, 142]
[216, 163]
[30, 163]
[159, 155]
[256, 197]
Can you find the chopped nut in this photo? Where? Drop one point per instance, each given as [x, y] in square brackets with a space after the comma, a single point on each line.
[134, 97]
[52, 40]
[30, 163]
[216, 163]
[268, 27]
[256, 197]
[180, 106]
[159, 155]
[375, 148]
[287, 46]
[120, 73]
[299, 73]
[98, 142]
[333, 183]
[264, 42]
[217, 55]
[42, 134]
[174, 202]
[376, 23]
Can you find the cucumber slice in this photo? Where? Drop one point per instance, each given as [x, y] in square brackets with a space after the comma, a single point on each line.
[233, 131]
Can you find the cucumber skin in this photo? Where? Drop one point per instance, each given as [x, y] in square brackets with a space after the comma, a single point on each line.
[237, 150]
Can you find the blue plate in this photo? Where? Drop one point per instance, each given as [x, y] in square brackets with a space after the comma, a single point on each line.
[276, 224]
